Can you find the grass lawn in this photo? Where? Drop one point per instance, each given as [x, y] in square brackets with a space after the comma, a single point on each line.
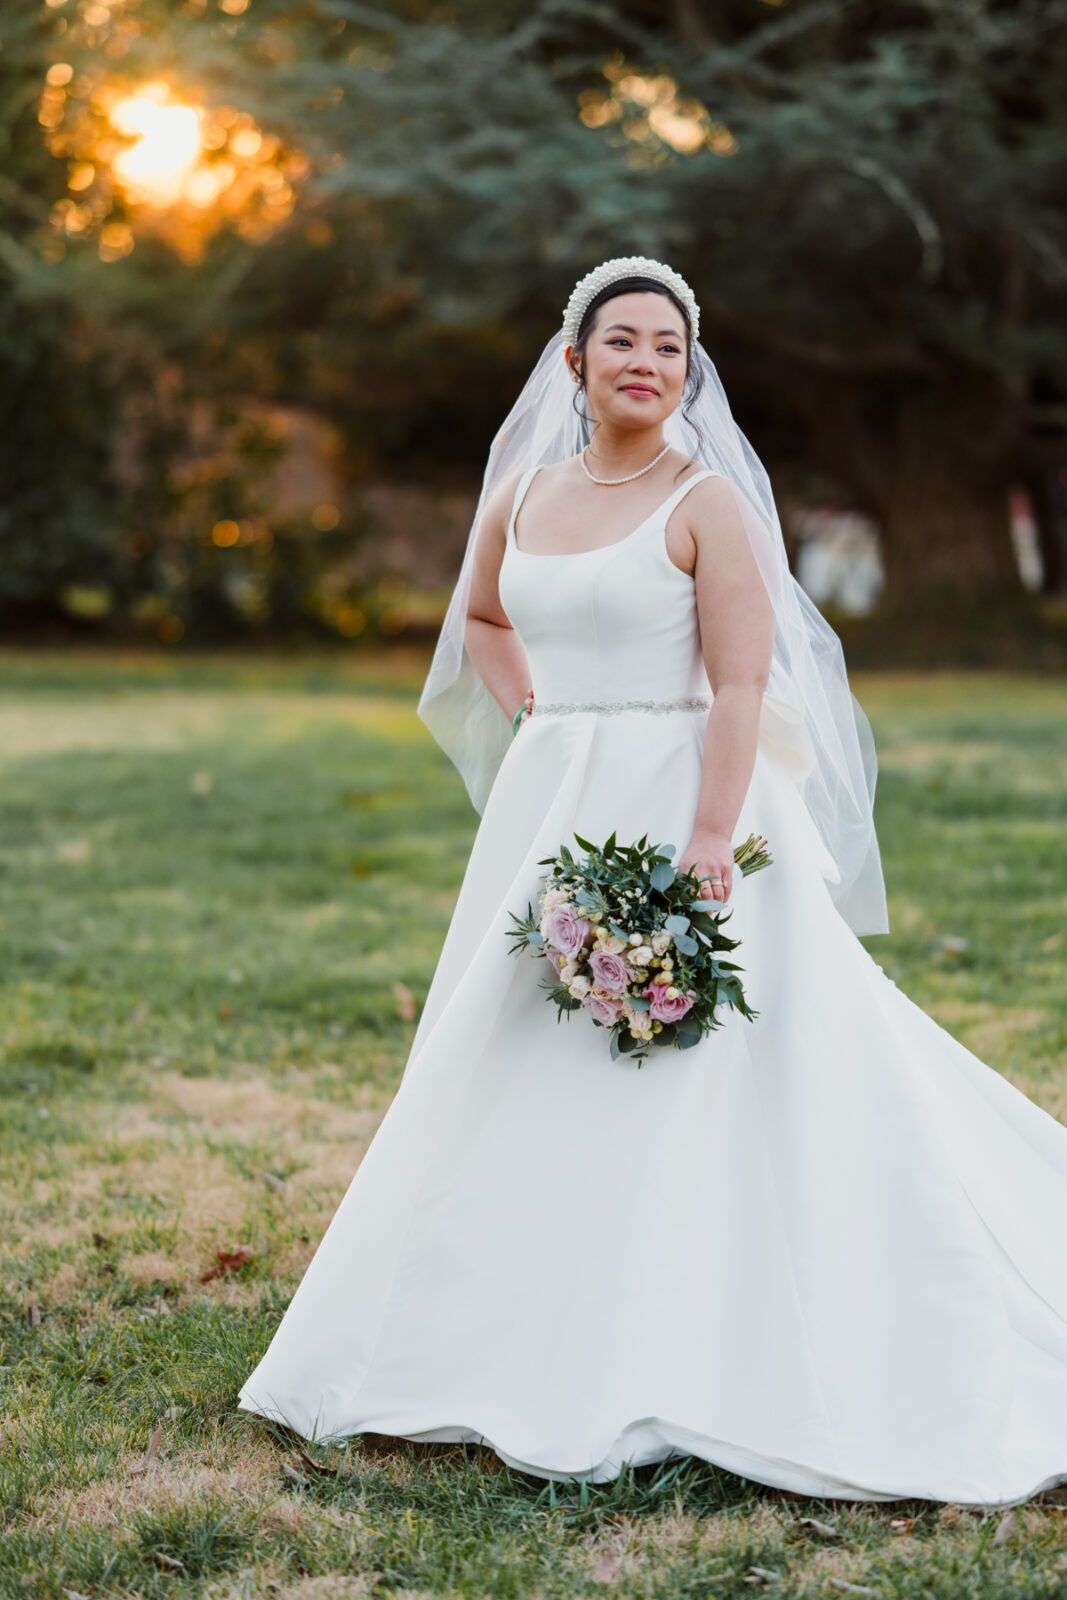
[223, 887]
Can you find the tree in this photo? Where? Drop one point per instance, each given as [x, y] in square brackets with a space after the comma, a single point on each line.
[864, 194]
[869, 194]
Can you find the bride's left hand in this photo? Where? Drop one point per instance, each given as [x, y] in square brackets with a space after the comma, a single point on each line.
[712, 855]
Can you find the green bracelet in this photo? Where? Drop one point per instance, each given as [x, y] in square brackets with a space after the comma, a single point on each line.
[516, 719]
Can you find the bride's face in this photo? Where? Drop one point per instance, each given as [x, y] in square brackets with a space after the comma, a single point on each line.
[635, 360]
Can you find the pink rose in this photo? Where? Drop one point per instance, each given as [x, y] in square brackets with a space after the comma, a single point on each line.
[554, 956]
[605, 1008]
[566, 930]
[610, 973]
[669, 1010]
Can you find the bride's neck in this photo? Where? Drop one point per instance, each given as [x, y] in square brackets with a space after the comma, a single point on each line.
[615, 451]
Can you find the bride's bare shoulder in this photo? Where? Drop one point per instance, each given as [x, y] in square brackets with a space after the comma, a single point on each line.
[499, 500]
[501, 497]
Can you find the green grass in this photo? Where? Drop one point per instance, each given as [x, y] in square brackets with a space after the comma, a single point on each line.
[214, 874]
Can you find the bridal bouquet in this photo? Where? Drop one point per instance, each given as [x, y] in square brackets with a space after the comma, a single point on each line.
[631, 942]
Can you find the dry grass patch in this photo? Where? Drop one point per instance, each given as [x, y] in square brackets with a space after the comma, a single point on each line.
[190, 1180]
[249, 1474]
[251, 1110]
[168, 721]
[331, 1586]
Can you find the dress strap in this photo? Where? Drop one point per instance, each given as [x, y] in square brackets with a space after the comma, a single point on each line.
[520, 495]
[663, 515]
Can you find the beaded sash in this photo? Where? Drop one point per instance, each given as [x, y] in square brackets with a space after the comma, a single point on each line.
[613, 707]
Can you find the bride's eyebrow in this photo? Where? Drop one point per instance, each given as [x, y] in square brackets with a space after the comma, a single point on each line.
[663, 332]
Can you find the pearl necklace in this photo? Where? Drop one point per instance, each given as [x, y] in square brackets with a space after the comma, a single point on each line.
[610, 482]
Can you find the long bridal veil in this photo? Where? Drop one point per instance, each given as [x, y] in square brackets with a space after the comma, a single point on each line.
[808, 698]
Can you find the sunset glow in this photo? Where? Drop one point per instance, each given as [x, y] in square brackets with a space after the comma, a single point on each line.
[168, 143]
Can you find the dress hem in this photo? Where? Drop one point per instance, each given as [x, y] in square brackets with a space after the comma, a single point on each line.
[772, 1472]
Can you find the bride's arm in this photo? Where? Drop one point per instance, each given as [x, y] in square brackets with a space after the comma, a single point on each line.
[492, 643]
[737, 641]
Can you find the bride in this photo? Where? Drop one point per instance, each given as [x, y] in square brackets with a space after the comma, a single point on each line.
[820, 1249]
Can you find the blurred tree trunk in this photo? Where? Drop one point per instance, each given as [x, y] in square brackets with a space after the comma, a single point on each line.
[930, 460]
[1048, 500]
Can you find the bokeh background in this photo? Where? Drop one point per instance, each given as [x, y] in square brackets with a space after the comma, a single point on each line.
[271, 275]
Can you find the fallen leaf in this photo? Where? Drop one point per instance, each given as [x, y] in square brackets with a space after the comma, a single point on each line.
[169, 1563]
[227, 1261]
[33, 1314]
[293, 1475]
[316, 1466]
[101, 1241]
[902, 1524]
[762, 1575]
[606, 1566]
[405, 1000]
[272, 1180]
[849, 1588]
[150, 1454]
[1007, 1528]
[823, 1528]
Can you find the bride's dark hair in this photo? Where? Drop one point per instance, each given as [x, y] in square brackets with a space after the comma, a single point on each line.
[694, 376]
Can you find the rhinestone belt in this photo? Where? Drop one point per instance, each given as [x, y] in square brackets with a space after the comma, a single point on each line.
[613, 707]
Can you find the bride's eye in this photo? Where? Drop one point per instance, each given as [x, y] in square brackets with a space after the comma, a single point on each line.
[621, 338]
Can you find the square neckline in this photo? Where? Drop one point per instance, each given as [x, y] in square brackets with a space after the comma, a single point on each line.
[596, 550]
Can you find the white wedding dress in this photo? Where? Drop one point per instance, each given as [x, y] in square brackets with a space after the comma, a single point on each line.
[821, 1249]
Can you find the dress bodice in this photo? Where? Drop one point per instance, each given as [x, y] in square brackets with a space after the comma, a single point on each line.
[615, 623]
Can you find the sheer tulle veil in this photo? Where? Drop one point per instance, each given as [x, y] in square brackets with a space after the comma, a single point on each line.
[809, 709]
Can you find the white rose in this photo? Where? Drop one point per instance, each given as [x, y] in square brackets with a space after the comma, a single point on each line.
[579, 986]
[614, 945]
[661, 941]
[640, 956]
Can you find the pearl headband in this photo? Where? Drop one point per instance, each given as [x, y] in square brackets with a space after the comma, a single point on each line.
[626, 267]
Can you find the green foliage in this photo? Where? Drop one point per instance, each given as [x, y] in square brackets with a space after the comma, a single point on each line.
[869, 213]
